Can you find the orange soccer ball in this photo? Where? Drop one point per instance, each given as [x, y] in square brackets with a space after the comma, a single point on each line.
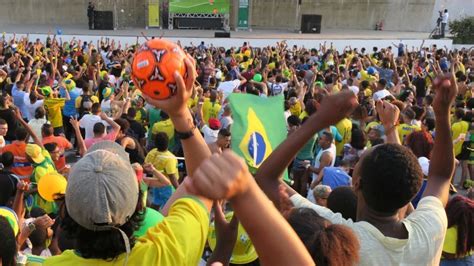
[154, 65]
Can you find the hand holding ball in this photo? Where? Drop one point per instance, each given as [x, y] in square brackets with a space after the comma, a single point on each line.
[154, 66]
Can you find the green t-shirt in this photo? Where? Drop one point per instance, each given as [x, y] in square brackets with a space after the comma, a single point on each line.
[307, 152]
[153, 117]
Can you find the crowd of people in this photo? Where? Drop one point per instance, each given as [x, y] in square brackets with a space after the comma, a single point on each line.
[93, 172]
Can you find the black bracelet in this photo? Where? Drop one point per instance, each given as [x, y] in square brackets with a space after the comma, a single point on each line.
[185, 135]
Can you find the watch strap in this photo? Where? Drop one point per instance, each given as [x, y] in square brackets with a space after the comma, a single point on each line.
[185, 135]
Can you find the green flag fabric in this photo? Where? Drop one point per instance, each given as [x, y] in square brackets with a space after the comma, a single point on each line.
[259, 127]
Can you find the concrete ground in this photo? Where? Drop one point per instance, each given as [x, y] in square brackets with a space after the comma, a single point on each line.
[330, 34]
[257, 37]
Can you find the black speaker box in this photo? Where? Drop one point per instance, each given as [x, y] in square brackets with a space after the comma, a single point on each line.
[221, 34]
[103, 20]
[311, 23]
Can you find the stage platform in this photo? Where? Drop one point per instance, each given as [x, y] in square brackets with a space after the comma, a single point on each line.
[257, 37]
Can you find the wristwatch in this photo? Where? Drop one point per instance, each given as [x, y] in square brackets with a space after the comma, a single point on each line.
[31, 227]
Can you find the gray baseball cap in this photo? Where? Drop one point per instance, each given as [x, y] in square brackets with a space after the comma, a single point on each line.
[102, 191]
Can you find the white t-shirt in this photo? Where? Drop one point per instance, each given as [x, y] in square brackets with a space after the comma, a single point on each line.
[227, 87]
[287, 114]
[445, 18]
[106, 107]
[426, 228]
[88, 121]
[31, 108]
[36, 125]
[277, 88]
[379, 95]
[210, 135]
[46, 253]
[226, 121]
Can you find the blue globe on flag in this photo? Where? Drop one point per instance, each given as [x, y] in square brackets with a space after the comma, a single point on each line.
[257, 147]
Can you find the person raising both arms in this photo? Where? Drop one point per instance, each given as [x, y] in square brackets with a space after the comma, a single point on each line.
[386, 178]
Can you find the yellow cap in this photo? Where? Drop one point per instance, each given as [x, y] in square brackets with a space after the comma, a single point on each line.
[102, 74]
[11, 217]
[35, 153]
[50, 185]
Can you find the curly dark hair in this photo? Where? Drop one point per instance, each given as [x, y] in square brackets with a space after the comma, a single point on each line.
[390, 176]
[343, 200]
[328, 244]
[421, 143]
[105, 245]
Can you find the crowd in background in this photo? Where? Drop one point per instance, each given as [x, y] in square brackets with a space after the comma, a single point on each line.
[374, 140]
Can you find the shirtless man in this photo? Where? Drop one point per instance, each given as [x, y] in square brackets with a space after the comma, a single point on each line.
[222, 143]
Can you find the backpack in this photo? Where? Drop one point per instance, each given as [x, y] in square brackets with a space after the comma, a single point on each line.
[86, 103]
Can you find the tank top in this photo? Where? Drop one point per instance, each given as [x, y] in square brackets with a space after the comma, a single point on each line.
[317, 161]
[134, 154]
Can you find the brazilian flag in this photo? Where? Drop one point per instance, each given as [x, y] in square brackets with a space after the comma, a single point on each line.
[259, 127]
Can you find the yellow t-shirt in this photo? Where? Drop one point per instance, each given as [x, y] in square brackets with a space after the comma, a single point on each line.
[245, 65]
[365, 76]
[192, 102]
[53, 107]
[371, 125]
[459, 128]
[296, 109]
[271, 66]
[344, 127]
[404, 130]
[164, 162]
[164, 126]
[368, 92]
[210, 110]
[141, 116]
[303, 115]
[451, 241]
[178, 240]
[77, 103]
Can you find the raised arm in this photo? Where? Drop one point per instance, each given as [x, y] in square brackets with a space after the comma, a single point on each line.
[226, 176]
[195, 149]
[158, 179]
[240, 77]
[35, 138]
[389, 114]
[80, 141]
[115, 126]
[442, 158]
[333, 109]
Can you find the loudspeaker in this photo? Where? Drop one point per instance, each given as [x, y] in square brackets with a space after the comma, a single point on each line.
[311, 23]
[221, 34]
[103, 20]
